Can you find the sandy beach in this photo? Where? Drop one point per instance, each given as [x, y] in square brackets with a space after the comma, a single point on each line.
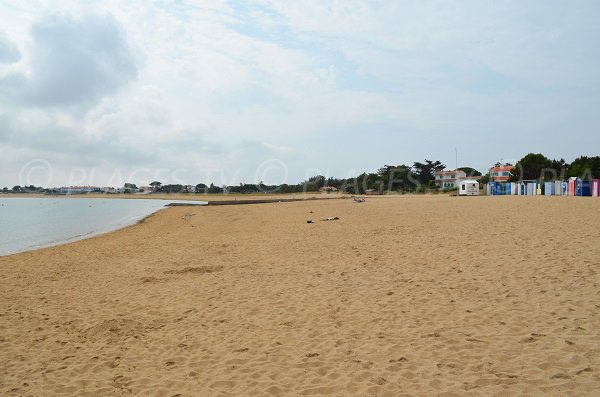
[415, 295]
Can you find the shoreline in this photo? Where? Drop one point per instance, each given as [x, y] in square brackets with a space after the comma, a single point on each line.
[136, 220]
[122, 224]
[87, 236]
[185, 196]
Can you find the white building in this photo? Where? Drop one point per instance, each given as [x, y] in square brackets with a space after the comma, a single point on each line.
[78, 189]
[468, 187]
[448, 179]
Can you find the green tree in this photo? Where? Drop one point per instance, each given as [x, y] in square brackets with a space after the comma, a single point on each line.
[425, 172]
[396, 177]
[201, 188]
[559, 168]
[129, 188]
[214, 189]
[470, 171]
[314, 183]
[176, 188]
[156, 186]
[532, 166]
[585, 167]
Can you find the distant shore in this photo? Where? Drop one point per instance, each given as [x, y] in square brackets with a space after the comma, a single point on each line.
[184, 196]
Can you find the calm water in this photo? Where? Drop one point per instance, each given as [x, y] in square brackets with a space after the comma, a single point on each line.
[28, 223]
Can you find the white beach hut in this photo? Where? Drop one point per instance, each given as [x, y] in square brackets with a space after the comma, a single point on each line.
[558, 188]
[468, 187]
[513, 189]
[528, 188]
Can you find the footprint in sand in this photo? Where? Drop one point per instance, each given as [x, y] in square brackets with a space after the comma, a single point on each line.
[196, 270]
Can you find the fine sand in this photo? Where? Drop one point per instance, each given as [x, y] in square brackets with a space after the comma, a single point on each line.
[421, 295]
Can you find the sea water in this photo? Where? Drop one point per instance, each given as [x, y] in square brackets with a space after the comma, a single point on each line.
[29, 223]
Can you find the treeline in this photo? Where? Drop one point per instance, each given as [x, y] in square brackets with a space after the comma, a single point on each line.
[24, 189]
[419, 177]
[536, 166]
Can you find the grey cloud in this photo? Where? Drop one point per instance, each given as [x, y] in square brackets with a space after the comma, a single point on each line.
[51, 140]
[73, 62]
[58, 142]
[9, 53]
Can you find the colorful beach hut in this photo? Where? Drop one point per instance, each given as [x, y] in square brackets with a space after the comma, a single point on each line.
[501, 188]
[513, 188]
[496, 188]
[596, 187]
[585, 188]
[565, 188]
[549, 188]
[572, 186]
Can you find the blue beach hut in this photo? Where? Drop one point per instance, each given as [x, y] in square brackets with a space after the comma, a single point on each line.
[586, 188]
[497, 189]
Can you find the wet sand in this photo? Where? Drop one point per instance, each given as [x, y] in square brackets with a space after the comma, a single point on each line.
[421, 295]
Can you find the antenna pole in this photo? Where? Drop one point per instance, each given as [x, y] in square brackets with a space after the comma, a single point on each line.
[456, 157]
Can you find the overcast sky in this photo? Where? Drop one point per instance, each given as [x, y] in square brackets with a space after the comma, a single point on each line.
[118, 91]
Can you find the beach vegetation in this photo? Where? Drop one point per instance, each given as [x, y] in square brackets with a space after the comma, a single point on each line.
[201, 188]
[213, 189]
[585, 167]
[425, 172]
[536, 166]
[471, 172]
